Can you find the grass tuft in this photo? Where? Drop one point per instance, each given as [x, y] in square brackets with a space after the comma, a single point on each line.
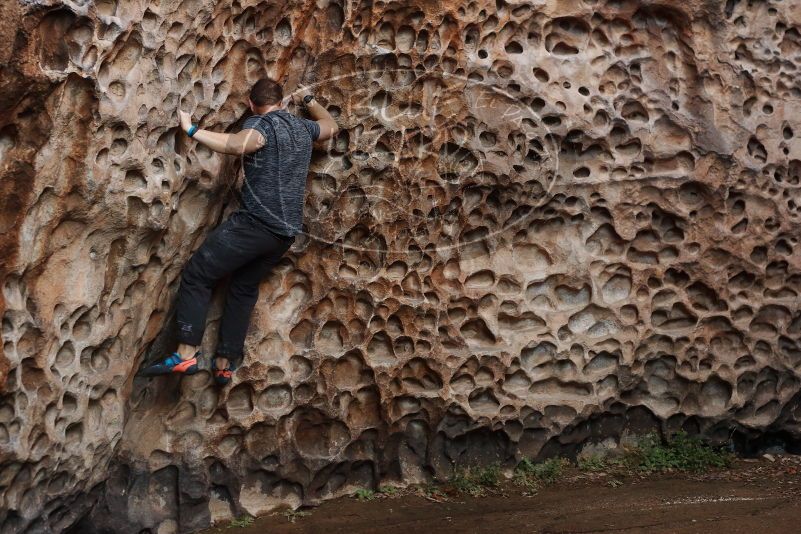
[476, 480]
[593, 463]
[241, 522]
[389, 491]
[679, 453]
[531, 475]
[430, 491]
[294, 515]
[364, 494]
[546, 472]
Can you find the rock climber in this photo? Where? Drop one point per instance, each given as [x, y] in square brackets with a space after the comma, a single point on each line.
[276, 147]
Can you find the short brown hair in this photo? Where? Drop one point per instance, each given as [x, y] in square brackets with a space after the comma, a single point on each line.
[266, 92]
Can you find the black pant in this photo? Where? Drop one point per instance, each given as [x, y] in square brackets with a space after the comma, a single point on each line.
[243, 247]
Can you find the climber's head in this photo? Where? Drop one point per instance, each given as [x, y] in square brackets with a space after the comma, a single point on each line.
[265, 96]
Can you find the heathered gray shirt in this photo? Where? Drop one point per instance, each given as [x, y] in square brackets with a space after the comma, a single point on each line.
[275, 175]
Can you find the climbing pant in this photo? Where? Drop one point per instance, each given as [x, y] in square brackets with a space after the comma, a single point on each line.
[244, 248]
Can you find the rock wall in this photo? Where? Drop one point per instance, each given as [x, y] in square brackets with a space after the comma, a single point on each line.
[543, 226]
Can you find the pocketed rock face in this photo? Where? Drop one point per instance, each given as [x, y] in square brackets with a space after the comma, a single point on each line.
[543, 226]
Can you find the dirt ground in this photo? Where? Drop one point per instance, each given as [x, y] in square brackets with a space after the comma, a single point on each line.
[753, 496]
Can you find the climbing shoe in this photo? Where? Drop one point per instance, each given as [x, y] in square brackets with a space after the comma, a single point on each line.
[222, 376]
[172, 364]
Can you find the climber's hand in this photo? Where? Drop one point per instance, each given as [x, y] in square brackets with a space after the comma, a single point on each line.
[298, 95]
[185, 119]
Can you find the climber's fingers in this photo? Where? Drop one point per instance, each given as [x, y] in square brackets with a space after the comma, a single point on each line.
[299, 93]
[184, 119]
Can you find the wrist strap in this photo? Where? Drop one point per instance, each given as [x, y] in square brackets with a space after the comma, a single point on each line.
[192, 129]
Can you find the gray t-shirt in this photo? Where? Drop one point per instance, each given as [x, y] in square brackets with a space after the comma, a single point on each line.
[275, 175]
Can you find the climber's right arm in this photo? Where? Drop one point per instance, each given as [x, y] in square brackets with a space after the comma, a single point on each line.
[328, 126]
[244, 142]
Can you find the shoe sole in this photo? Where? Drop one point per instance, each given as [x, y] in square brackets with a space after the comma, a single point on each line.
[178, 369]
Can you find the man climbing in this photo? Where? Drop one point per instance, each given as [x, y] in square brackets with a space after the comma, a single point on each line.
[277, 147]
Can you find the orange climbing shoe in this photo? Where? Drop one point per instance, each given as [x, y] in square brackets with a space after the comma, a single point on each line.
[172, 364]
[222, 376]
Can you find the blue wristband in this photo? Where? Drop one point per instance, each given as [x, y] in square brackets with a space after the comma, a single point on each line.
[192, 129]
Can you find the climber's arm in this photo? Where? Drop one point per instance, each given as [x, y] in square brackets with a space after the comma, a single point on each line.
[244, 142]
[328, 126]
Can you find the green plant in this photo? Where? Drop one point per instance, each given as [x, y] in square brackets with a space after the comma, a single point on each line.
[489, 476]
[364, 494]
[475, 481]
[531, 475]
[241, 522]
[430, 491]
[388, 490]
[464, 483]
[547, 472]
[294, 515]
[681, 453]
[526, 481]
[593, 463]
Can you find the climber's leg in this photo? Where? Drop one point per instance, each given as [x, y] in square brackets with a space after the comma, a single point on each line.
[219, 255]
[243, 292]
[234, 243]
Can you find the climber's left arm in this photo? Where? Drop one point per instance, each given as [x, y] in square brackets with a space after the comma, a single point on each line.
[244, 142]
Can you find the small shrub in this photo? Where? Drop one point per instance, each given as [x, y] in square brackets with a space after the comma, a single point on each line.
[475, 481]
[489, 476]
[388, 490]
[681, 453]
[364, 494]
[241, 522]
[546, 472]
[593, 463]
[294, 515]
[464, 484]
[431, 491]
[526, 465]
[526, 481]
[531, 475]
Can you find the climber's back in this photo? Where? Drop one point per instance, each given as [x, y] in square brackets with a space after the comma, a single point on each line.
[275, 175]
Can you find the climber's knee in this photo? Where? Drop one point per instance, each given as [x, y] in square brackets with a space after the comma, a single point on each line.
[201, 269]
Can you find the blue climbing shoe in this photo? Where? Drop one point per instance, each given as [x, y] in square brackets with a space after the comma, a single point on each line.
[222, 376]
[172, 364]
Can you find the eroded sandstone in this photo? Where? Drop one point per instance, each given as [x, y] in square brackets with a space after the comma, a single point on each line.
[542, 225]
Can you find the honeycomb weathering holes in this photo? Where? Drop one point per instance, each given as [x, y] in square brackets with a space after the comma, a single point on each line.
[528, 223]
